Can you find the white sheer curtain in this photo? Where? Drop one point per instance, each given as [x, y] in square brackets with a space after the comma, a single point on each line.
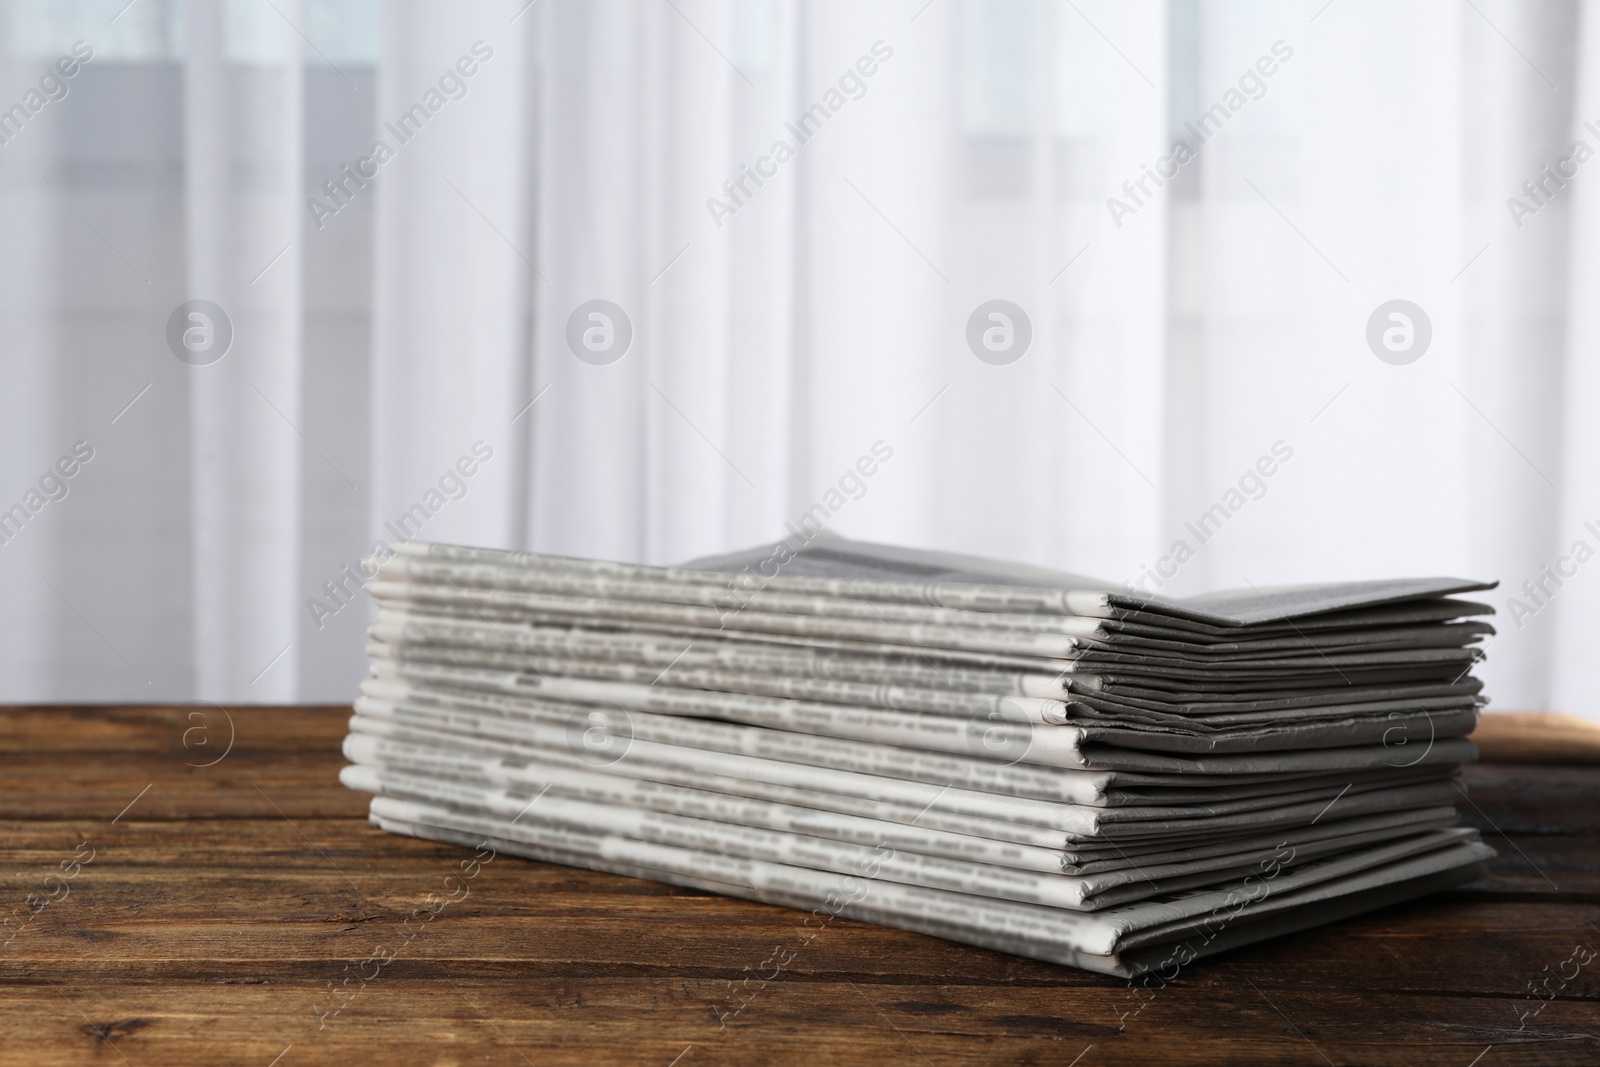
[401, 363]
[243, 157]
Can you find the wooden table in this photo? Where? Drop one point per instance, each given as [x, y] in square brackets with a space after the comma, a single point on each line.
[210, 911]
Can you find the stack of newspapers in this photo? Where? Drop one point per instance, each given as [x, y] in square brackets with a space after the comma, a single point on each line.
[999, 755]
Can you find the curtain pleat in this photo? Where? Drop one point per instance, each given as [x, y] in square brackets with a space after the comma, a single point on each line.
[243, 157]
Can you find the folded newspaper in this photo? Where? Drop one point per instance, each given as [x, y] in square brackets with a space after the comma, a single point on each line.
[1000, 755]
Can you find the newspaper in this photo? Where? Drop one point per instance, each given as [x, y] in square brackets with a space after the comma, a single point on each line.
[485, 762]
[1421, 651]
[969, 763]
[1099, 941]
[974, 636]
[391, 770]
[464, 616]
[890, 574]
[1074, 673]
[1000, 754]
[1036, 731]
[768, 832]
[932, 696]
[474, 641]
[1077, 821]
[566, 590]
[1384, 721]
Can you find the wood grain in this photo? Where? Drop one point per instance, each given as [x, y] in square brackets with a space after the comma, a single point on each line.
[219, 906]
[1537, 737]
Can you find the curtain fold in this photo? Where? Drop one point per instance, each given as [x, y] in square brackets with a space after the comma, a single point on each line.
[1571, 628]
[453, 278]
[243, 160]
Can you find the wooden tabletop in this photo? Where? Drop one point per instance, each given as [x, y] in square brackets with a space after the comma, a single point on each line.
[166, 911]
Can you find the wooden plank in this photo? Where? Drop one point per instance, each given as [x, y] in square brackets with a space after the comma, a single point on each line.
[451, 1017]
[1537, 737]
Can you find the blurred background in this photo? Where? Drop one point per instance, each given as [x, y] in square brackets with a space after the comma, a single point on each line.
[1306, 288]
